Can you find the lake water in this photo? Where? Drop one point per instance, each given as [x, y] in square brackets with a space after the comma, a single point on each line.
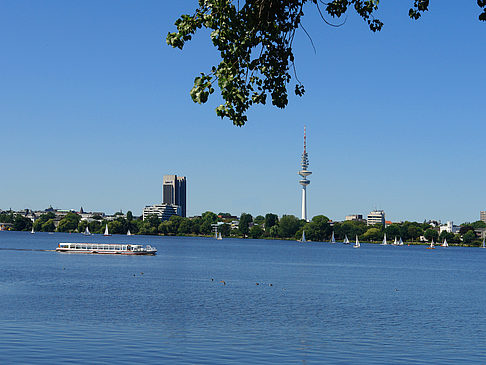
[326, 303]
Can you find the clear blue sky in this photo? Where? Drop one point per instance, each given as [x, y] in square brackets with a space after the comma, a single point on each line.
[95, 108]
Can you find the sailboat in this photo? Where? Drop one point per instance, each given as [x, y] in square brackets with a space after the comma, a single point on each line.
[346, 241]
[303, 237]
[106, 231]
[395, 243]
[32, 232]
[400, 243]
[431, 247]
[129, 233]
[445, 244]
[356, 245]
[219, 236]
[332, 238]
[384, 241]
[483, 245]
[87, 232]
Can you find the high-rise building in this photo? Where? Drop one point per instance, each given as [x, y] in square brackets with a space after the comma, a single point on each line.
[376, 217]
[482, 216]
[174, 191]
[304, 181]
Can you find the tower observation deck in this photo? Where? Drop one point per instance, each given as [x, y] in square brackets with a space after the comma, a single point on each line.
[304, 181]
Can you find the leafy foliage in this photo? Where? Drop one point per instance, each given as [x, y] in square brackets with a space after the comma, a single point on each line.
[255, 39]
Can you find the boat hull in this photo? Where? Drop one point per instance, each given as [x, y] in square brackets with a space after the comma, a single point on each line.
[106, 249]
[97, 252]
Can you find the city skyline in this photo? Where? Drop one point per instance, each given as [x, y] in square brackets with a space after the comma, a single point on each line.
[87, 88]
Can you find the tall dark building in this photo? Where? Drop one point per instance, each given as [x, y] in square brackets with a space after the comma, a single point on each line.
[174, 191]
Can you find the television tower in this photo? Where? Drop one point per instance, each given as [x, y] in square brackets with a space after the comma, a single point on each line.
[304, 181]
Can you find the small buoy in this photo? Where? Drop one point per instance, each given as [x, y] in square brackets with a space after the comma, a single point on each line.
[270, 284]
[133, 274]
[257, 284]
[141, 273]
[212, 279]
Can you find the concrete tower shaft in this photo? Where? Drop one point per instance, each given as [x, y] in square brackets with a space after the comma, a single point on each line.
[304, 173]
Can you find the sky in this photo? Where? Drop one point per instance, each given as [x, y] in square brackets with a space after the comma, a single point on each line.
[95, 109]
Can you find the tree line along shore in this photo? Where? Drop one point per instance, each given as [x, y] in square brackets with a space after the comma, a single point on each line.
[270, 226]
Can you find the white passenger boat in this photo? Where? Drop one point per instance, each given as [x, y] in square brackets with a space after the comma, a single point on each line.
[106, 248]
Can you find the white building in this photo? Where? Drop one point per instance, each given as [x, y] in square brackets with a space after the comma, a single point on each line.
[354, 217]
[163, 211]
[449, 227]
[376, 217]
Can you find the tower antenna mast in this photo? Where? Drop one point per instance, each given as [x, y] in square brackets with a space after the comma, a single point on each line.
[304, 181]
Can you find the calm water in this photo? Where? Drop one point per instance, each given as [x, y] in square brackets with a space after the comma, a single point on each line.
[327, 303]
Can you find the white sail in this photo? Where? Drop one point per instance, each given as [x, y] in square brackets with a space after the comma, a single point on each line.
[86, 231]
[129, 233]
[483, 245]
[219, 236]
[400, 243]
[356, 245]
[384, 240]
[432, 243]
[346, 240]
[303, 237]
[106, 231]
[32, 232]
[395, 242]
[445, 244]
[332, 238]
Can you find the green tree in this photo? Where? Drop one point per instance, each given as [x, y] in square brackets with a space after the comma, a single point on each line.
[21, 223]
[468, 237]
[259, 219]
[430, 234]
[273, 232]
[372, 234]
[414, 232]
[318, 229]
[210, 217]
[244, 224]
[289, 225]
[40, 222]
[255, 42]
[225, 230]
[185, 226]
[48, 226]
[393, 230]
[129, 216]
[256, 231]
[270, 221]
[446, 236]
[69, 223]
[465, 229]
[7, 217]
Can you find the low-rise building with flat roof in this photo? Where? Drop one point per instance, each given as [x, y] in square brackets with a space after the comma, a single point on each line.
[163, 211]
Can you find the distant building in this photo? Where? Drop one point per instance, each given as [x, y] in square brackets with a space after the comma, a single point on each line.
[354, 217]
[174, 192]
[449, 227]
[482, 216]
[480, 233]
[163, 211]
[376, 217]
